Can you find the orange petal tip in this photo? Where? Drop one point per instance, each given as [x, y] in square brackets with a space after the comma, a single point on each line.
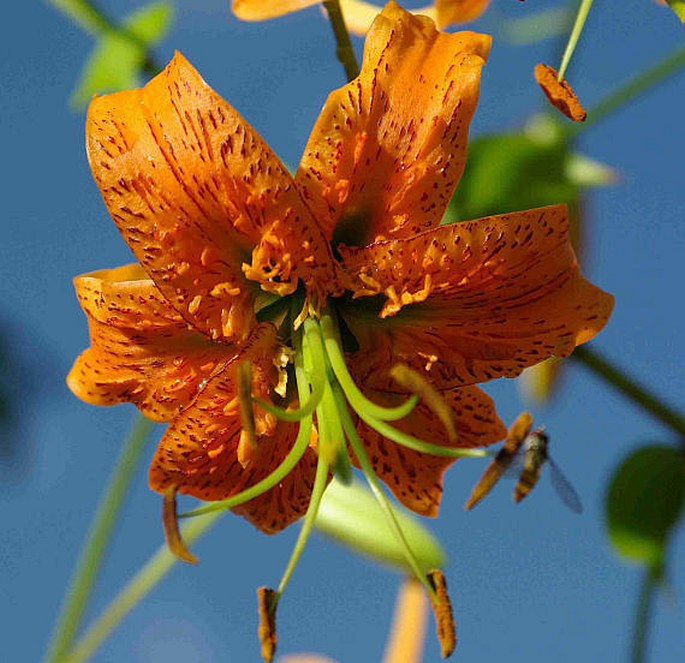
[559, 93]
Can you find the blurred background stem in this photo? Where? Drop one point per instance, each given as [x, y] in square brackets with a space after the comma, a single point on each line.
[630, 388]
[97, 540]
[344, 50]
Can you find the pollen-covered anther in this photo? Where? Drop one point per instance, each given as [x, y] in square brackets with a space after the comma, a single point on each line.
[194, 304]
[373, 287]
[343, 189]
[248, 435]
[442, 609]
[397, 301]
[224, 290]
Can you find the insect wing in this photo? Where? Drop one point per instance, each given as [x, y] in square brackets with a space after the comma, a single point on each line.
[564, 489]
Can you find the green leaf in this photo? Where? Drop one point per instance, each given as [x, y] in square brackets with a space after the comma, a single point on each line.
[117, 61]
[352, 516]
[511, 172]
[150, 23]
[533, 28]
[678, 6]
[85, 15]
[114, 64]
[644, 501]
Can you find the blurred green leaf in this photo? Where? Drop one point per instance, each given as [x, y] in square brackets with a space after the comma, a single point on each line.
[352, 516]
[84, 14]
[513, 171]
[150, 23]
[536, 27]
[516, 171]
[117, 61]
[644, 501]
[678, 6]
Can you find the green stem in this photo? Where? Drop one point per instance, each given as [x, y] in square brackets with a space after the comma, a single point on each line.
[97, 539]
[583, 11]
[136, 589]
[634, 87]
[642, 617]
[636, 392]
[344, 49]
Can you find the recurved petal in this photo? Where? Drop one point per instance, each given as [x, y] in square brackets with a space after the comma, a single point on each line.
[416, 478]
[458, 11]
[389, 148]
[473, 301]
[259, 10]
[203, 202]
[200, 453]
[142, 351]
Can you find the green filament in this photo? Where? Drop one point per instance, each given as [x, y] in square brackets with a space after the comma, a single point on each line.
[357, 400]
[320, 483]
[374, 485]
[583, 11]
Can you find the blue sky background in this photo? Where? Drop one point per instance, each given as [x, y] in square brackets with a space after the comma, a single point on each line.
[535, 582]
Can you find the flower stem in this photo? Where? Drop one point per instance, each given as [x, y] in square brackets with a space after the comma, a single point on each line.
[136, 589]
[643, 616]
[632, 88]
[344, 49]
[583, 11]
[96, 543]
[636, 392]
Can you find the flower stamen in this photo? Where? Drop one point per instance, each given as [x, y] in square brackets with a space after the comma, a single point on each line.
[415, 382]
[171, 531]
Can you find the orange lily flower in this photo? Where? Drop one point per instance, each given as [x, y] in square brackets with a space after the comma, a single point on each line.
[317, 281]
[359, 14]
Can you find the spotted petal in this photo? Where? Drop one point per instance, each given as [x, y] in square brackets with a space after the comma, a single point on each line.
[201, 453]
[416, 478]
[388, 149]
[203, 202]
[142, 350]
[473, 301]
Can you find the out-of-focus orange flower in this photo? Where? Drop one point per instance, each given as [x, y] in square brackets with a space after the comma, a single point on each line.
[237, 257]
[359, 14]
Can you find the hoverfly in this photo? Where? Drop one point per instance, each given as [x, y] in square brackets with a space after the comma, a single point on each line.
[525, 452]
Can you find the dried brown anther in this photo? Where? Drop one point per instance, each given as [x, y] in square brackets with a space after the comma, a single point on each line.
[560, 93]
[267, 622]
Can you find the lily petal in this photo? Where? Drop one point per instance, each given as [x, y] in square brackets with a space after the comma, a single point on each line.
[259, 10]
[458, 11]
[142, 350]
[473, 301]
[388, 149]
[202, 201]
[200, 452]
[416, 478]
